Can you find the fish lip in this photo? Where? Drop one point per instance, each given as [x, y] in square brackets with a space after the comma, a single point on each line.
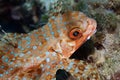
[67, 54]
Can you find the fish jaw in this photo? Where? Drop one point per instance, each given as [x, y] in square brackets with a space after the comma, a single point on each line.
[68, 48]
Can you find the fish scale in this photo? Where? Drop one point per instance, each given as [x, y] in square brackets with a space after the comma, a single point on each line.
[40, 53]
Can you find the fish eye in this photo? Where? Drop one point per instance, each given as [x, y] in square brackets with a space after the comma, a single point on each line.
[75, 33]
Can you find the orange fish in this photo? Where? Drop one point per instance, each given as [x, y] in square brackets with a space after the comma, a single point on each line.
[40, 53]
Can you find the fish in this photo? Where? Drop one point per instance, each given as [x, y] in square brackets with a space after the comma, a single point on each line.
[38, 54]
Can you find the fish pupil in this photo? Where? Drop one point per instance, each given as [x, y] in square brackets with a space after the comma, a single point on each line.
[76, 33]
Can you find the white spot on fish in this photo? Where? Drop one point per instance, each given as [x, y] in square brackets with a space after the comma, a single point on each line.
[19, 47]
[28, 42]
[47, 73]
[24, 78]
[61, 62]
[19, 43]
[27, 64]
[11, 52]
[58, 31]
[40, 43]
[1, 75]
[16, 77]
[52, 33]
[76, 70]
[29, 52]
[11, 63]
[53, 17]
[41, 65]
[6, 72]
[47, 38]
[11, 68]
[2, 67]
[13, 59]
[21, 55]
[71, 64]
[47, 53]
[48, 67]
[62, 67]
[16, 65]
[47, 59]
[38, 58]
[53, 54]
[22, 49]
[5, 59]
[34, 47]
[28, 38]
[68, 67]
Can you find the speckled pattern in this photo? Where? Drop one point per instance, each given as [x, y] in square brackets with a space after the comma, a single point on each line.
[40, 53]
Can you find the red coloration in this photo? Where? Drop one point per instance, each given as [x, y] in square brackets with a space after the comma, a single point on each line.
[75, 33]
[40, 53]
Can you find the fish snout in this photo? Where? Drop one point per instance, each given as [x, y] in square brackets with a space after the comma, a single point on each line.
[92, 24]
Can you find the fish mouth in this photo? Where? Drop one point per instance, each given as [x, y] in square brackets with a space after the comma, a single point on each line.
[68, 48]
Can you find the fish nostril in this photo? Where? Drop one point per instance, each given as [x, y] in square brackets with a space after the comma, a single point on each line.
[91, 22]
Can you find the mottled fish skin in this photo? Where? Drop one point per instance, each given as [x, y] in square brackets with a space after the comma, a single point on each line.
[79, 69]
[47, 49]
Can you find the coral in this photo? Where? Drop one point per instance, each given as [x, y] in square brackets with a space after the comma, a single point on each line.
[44, 18]
[114, 5]
[61, 6]
[116, 76]
[20, 16]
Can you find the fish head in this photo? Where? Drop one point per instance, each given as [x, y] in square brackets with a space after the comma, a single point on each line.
[75, 29]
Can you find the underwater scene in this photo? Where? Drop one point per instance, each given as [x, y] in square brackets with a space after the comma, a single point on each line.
[59, 39]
